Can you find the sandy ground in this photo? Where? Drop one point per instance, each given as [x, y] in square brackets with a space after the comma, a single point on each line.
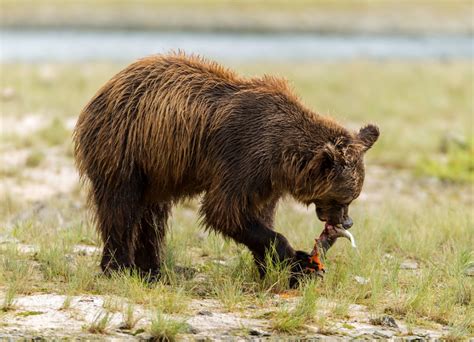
[43, 315]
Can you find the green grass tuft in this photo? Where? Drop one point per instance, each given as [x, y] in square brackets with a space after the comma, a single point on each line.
[163, 328]
[9, 297]
[292, 320]
[455, 164]
[100, 324]
[55, 134]
[54, 263]
[35, 158]
[277, 273]
[130, 319]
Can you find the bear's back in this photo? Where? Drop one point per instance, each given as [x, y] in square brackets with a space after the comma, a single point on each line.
[160, 113]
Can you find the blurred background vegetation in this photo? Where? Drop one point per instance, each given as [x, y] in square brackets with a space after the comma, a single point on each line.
[348, 16]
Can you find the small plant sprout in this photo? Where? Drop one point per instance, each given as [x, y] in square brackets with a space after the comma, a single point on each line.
[100, 324]
[166, 329]
[130, 319]
[9, 299]
[67, 302]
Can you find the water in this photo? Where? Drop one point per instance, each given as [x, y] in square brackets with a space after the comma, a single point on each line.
[55, 45]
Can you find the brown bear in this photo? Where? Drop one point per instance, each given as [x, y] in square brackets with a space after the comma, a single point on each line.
[170, 127]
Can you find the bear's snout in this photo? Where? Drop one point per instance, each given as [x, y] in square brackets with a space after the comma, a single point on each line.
[334, 216]
[347, 223]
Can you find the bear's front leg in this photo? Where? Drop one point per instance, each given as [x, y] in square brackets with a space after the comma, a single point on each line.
[255, 231]
[261, 240]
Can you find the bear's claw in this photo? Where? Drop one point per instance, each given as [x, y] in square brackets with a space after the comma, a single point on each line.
[299, 268]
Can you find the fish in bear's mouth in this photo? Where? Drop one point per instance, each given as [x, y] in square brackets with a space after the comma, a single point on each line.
[326, 239]
[336, 231]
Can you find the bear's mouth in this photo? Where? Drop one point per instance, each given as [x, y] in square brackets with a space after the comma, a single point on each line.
[336, 231]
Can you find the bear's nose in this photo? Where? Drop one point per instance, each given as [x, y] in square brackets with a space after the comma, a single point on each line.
[347, 223]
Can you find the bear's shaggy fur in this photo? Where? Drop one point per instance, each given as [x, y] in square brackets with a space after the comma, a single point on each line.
[170, 127]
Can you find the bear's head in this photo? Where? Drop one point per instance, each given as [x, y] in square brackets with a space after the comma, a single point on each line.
[343, 167]
[333, 177]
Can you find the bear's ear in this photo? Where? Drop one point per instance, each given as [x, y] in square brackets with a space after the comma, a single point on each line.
[368, 135]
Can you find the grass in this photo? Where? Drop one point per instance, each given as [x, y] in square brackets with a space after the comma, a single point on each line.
[67, 303]
[55, 133]
[437, 292]
[456, 163]
[112, 304]
[277, 274]
[292, 320]
[130, 318]
[166, 329]
[29, 313]
[230, 293]
[100, 324]
[15, 271]
[417, 205]
[54, 263]
[9, 297]
[169, 299]
[34, 159]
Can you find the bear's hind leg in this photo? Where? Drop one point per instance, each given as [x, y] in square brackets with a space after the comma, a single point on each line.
[150, 239]
[118, 211]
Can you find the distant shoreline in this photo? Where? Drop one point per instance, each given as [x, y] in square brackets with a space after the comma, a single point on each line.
[231, 31]
[234, 30]
[67, 45]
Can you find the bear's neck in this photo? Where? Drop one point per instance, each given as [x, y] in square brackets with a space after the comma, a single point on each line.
[319, 130]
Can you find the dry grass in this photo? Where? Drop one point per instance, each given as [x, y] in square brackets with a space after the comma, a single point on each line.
[100, 324]
[293, 320]
[130, 318]
[165, 329]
